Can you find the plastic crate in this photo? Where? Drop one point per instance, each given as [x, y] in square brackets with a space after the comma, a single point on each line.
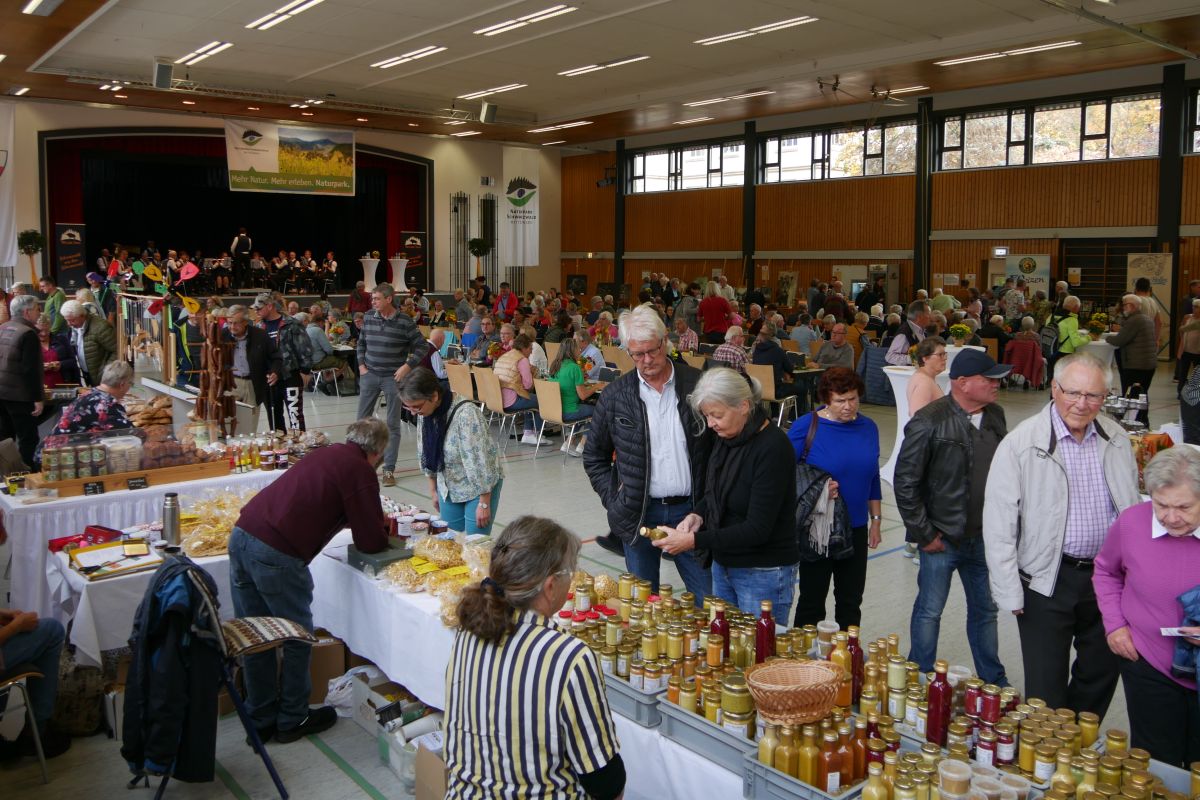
[640, 707]
[697, 734]
[760, 782]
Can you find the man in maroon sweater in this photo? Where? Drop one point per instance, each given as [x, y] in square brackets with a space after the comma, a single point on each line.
[279, 532]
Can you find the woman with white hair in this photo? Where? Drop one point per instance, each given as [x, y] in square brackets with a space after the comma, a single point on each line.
[100, 409]
[1139, 349]
[745, 518]
[1150, 559]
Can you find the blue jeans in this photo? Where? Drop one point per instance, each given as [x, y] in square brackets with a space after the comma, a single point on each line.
[41, 648]
[370, 386]
[747, 587]
[268, 583]
[461, 516]
[642, 558]
[584, 411]
[933, 586]
[533, 422]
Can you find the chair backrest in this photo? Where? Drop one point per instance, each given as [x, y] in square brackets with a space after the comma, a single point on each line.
[623, 360]
[993, 348]
[815, 346]
[551, 349]
[489, 389]
[872, 335]
[695, 361]
[549, 398]
[765, 374]
[424, 329]
[790, 345]
[607, 374]
[460, 381]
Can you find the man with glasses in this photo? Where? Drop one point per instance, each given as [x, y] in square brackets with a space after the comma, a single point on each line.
[837, 352]
[487, 335]
[1057, 483]
[644, 454]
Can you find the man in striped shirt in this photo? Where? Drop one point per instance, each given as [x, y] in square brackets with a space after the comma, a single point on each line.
[732, 354]
[526, 709]
[389, 346]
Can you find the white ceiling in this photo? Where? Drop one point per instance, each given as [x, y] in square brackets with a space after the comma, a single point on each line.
[328, 49]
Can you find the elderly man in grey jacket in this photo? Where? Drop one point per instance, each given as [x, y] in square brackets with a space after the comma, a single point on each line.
[1139, 348]
[1057, 482]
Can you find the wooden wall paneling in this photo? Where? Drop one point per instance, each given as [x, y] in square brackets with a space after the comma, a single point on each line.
[596, 270]
[1095, 194]
[697, 219]
[970, 256]
[587, 210]
[1189, 263]
[852, 214]
[808, 270]
[1191, 190]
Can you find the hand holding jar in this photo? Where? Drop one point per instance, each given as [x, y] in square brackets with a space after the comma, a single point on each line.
[678, 540]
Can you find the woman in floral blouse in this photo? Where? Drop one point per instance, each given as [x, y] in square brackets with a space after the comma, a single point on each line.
[100, 409]
[457, 453]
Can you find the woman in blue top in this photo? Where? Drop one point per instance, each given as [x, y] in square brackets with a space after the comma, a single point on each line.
[846, 446]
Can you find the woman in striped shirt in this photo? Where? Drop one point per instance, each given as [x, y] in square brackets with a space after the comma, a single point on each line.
[526, 712]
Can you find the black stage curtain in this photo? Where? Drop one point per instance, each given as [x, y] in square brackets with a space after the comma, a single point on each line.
[184, 203]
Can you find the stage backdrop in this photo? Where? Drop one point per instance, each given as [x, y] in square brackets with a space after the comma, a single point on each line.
[8, 203]
[519, 232]
[265, 157]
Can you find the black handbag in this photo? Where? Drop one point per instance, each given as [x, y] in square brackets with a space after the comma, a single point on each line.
[810, 483]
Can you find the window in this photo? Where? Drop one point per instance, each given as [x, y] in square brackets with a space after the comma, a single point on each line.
[1195, 124]
[844, 152]
[693, 166]
[1074, 130]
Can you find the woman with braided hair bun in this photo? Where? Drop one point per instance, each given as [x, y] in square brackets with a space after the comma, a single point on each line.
[526, 711]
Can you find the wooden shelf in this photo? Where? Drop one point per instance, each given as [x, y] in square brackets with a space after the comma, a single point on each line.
[120, 480]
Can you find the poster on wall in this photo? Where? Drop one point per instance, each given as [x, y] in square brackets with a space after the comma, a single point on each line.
[1035, 269]
[577, 284]
[266, 157]
[1155, 267]
[416, 272]
[8, 205]
[70, 261]
[520, 231]
[785, 291]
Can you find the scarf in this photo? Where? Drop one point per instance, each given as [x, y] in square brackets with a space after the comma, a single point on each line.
[726, 463]
[433, 435]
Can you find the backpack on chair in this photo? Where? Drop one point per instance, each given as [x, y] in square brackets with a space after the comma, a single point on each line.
[1050, 338]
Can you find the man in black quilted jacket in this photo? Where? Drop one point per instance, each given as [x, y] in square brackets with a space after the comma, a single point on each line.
[645, 452]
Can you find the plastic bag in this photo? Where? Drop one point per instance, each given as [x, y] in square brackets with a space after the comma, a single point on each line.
[341, 689]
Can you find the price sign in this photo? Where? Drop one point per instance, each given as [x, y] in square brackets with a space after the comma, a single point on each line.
[93, 487]
[139, 482]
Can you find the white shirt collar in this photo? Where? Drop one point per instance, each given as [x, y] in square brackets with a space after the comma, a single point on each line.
[665, 385]
[1157, 530]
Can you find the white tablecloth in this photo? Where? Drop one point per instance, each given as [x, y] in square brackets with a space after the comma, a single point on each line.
[952, 352]
[1107, 355]
[102, 611]
[899, 377]
[30, 527]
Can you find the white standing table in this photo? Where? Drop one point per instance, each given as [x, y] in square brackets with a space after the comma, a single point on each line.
[368, 266]
[952, 352]
[1106, 353]
[899, 378]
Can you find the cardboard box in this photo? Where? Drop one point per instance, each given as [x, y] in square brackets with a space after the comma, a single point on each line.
[431, 775]
[327, 661]
[353, 660]
[114, 710]
[368, 699]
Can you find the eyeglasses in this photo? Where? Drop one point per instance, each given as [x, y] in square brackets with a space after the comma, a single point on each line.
[941, 353]
[1072, 396]
[645, 353]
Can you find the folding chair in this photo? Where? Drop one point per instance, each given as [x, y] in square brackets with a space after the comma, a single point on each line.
[549, 397]
[493, 399]
[766, 377]
[461, 382]
[20, 674]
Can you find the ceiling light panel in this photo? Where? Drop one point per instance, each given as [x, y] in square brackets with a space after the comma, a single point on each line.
[17, 91]
[1020, 51]
[769, 27]
[615, 62]
[692, 121]
[41, 8]
[908, 89]
[467, 133]
[282, 14]
[495, 90]
[394, 61]
[563, 126]
[529, 19]
[201, 53]
[743, 96]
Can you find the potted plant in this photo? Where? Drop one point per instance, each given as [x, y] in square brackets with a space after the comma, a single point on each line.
[31, 242]
[960, 333]
[1097, 325]
[478, 248]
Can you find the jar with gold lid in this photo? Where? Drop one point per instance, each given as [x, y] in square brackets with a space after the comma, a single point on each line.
[712, 705]
[1110, 771]
[1107, 789]
[897, 676]
[652, 678]
[1140, 777]
[608, 660]
[625, 585]
[637, 675]
[1134, 792]
[641, 590]
[904, 789]
[675, 642]
[1044, 762]
[735, 695]
[687, 694]
[1116, 741]
[1131, 765]
[673, 685]
[1062, 767]
[690, 662]
[959, 752]
[738, 723]
[649, 645]
[716, 649]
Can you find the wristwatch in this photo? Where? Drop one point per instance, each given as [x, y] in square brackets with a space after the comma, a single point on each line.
[484, 505]
[876, 518]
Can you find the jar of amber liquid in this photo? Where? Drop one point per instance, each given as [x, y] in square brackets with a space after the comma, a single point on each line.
[712, 705]
[716, 647]
[673, 685]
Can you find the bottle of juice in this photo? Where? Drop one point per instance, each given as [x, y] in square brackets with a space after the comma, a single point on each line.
[829, 765]
[810, 753]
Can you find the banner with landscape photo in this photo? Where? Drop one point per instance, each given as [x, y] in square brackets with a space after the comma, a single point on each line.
[265, 157]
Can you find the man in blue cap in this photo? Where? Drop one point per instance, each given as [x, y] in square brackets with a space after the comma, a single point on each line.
[940, 479]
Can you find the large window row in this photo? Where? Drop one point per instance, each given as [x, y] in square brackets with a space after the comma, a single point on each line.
[1194, 127]
[688, 167]
[840, 153]
[1079, 130]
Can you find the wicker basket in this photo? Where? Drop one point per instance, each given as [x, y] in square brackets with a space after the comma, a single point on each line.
[788, 692]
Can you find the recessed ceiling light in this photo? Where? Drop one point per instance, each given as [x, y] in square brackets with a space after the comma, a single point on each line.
[562, 126]
[528, 19]
[2, 56]
[742, 96]
[413, 125]
[104, 87]
[189, 102]
[692, 120]
[1020, 51]
[556, 141]
[456, 122]
[314, 102]
[907, 89]
[616, 62]
[121, 96]
[361, 119]
[467, 133]
[496, 90]
[769, 27]
[428, 50]
[306, 113]
[298, 105]
[19, 91]
[746, 95]
[201, 53]
[42, 8]
[284, 12]
[253, 108]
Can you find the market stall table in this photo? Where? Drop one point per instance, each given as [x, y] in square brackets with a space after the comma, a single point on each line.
[899, 377]
[952, 352]
[1106, 353]
[102, 611]
[31, 526]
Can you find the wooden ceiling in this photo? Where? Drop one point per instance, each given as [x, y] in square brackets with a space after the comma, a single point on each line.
[326, 53]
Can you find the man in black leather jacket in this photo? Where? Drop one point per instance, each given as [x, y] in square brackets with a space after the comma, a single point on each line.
[645, 455]
[940, 478]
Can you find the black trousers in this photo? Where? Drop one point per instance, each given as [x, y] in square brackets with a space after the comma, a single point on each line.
[285, 406]
[17, 422]
[1048, 628]
[1139, 376]
[1164, 717]
[849, 577]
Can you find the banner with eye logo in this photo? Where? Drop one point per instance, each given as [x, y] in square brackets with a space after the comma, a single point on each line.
[521, 210]
[265, 157]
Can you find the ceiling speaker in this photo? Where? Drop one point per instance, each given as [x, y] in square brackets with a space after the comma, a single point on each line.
[164, 71]
[487, 113]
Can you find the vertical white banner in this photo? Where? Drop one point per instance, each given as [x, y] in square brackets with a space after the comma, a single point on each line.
[8, 191]
[1155, 267]
[520, 227]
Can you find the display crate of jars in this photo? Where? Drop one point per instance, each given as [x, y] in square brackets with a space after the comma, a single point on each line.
[725, 744]
[631, 703]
